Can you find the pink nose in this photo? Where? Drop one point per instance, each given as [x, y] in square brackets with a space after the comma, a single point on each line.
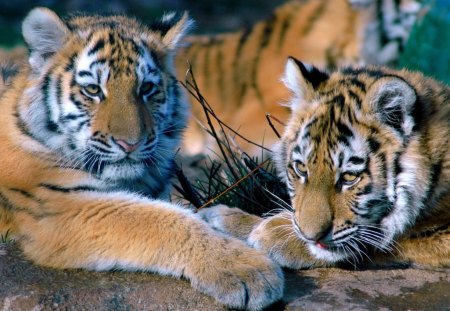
[127, 146]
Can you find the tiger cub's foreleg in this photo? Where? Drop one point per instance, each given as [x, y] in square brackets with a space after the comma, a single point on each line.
[105, 231]
[274, 235]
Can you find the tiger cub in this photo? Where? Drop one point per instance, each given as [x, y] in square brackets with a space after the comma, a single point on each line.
[366, 160]
[89, 131]
[238, 73]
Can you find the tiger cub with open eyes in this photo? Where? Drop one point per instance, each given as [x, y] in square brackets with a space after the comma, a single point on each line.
[89, 130]
[366, 160]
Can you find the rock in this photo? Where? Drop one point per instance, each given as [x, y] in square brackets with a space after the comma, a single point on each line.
[395, 289]
[24, 286]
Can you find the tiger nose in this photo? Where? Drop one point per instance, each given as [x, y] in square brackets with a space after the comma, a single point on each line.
[126, 145]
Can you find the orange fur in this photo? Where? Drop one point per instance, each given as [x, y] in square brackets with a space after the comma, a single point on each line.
[366, 160]
[89, 131]
[238, 73]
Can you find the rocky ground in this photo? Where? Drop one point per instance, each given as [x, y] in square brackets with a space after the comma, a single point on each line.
[24, 286]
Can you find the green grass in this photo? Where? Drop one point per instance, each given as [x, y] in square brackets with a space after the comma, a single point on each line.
[6, 238]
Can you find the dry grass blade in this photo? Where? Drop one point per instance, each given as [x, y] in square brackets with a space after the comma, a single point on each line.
[234, 179]
[269, 118]
[233, 185]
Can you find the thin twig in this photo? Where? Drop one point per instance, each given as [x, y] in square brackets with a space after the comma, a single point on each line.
[269, 119]
[192, 88]
[234, 185]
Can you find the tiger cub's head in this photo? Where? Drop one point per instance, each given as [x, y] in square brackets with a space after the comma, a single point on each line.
[103, 93]
[339, 157]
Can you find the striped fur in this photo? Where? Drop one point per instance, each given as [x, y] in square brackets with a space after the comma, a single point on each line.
[89, 131]
[366, 160]
[238, 73]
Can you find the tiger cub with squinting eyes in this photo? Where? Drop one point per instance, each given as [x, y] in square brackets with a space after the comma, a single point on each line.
[366, 160]
[90, 127]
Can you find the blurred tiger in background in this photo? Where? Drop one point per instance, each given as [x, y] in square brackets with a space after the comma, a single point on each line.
[238, 73]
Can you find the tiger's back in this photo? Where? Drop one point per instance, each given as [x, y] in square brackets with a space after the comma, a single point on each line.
[238, 73]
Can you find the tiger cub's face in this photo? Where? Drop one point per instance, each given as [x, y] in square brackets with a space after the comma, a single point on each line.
[112, 102]
[338, 157]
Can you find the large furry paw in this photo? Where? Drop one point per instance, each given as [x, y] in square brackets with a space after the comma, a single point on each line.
[231, 221]
[276, 237]
[240, 277]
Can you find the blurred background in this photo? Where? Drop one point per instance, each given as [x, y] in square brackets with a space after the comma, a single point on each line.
[428, 49]
[210, 16]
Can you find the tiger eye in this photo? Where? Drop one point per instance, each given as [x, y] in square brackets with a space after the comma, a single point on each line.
[92, 89]
[350, 178]
[147, 88]
[300, 169]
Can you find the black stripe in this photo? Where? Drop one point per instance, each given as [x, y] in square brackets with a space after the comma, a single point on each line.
[7, 204]
[111, 38]
[366, 190]
[70, 64]
[59, 90]
[344, 130]
[101, 142]
[355, 98]
[84, 73]
[22, 126]
[206, 62]
[339, 100]
[283, 29]
[98, 46]
[76, 102]
[50, 125]
[23, 192]
[239, 83]
[383, 160]
[356, 160]
[26, 194]
[341, 159]
[101, 149]
[220, 69]
[397, 168]
[156, 60]
[67, 189]
[100, 61]
[140, 51]
[264, 42]
[81, 124]
[374, 145]
[72, 116]
[418, 112]
[358, 83]
[313, 18]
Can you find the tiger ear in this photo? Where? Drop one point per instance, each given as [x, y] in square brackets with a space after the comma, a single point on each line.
[301, 79]
[44, 32]
[173, 27]
[393, 101]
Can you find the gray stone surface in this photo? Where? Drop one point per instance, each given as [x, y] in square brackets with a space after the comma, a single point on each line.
[24, 286]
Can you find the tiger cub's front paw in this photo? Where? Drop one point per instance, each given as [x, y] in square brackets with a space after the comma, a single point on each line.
[276, 237]
[231, 221]
[240, 277]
